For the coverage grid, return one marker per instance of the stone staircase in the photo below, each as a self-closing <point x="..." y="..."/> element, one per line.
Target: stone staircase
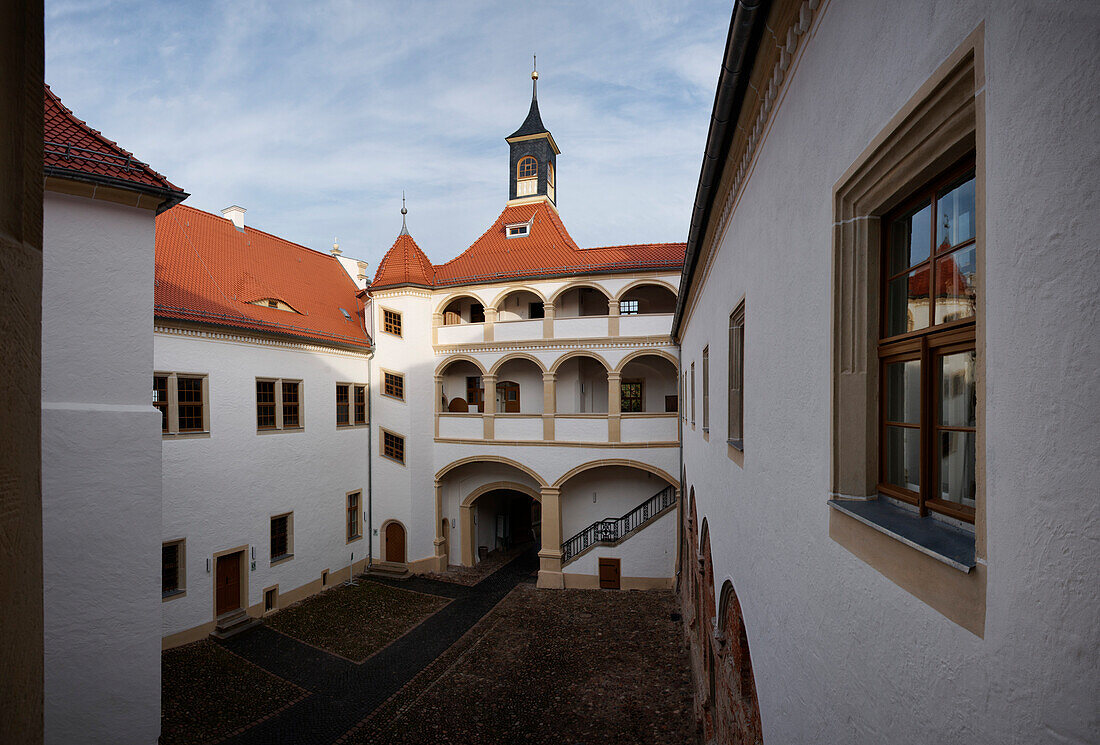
<point x="233" y="623"/>
<point x="388" y="569"/>
<point x="615" y="530"/>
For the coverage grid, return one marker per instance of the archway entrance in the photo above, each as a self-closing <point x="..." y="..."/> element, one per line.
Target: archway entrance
<point x="394" y="548"/>
<point x="503" y="519"/>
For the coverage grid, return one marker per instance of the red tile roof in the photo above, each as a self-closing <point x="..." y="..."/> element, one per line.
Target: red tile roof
<point x="207" y="271"/>
<point x="404" y="264"/>
<point x="546" y="251"/>
<point x="73" y="149"/>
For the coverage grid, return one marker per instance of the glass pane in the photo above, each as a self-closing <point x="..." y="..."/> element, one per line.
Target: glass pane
<point x="955" y="290"/>
<point x="903" y="457"/>
<point x="910" y="239"/>
<point x="957" y="389"/>
<point x="907" y="302"/>
<point x="956" y="215"/>
<point x="903" y="392"/>
<point x="957" y="467"/>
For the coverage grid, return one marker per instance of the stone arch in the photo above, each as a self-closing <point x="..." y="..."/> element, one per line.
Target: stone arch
<point x="491" y="459"/>
<point x="456" y="296"/>
<point x="641" y="283"/>
<point x="737" y="708"/>
<point x="648" y="353"/>
<point x="617" y="462"/>
<point x="382" y="538"/>
<point x="516" y="356"/>
<point x="495" y="305"/>
<point x="579" y="283"/>
<point x="530" y="491"/>
<point x="459" y="358"/>
<point x="579" y="353"/>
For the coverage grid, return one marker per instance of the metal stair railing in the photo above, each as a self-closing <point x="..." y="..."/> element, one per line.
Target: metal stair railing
<point x="616" y="528"/>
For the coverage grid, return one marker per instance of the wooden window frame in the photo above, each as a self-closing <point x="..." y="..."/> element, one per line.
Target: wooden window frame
<point x="359" y="404"/>
<point x="735" y="424"/>
<point x="295" y="405"/>
<point x="181" y="570"/>
<point x="927" y="345"/>
<point x="343" y="405"/>
<point x="289" y="553"/>
<point x="172" y="406"/>
<point x="396" y="391"/>
<point x="692" y="382"/>
<point x="623" y="383"/>
<point x="382" y="435"/>
<point x="266" y="410"/>
<point x="706" y="389"/>
<point x="523" y="172"/>
<point x="160" y="400"/>
<point x="393" y="322"/>
<point x="353" y="516"/>
<point x="626" y="309"/>
<point x="191" y="405"/>
<point x="280" y="405"/>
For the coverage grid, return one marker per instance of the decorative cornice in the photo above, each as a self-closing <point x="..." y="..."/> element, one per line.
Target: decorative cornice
<point x="625" y="342"/>
<point x="234" y="338"/>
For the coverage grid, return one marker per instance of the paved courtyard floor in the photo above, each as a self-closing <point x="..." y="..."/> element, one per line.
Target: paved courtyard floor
<point x="496" y="662"/>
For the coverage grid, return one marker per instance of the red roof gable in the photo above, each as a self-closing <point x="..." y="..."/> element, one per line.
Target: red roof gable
<point x="546" y="251"/>
<point x="209" y="272"/>
<point x="72" y="148"/>
<point x="404" y="264"/>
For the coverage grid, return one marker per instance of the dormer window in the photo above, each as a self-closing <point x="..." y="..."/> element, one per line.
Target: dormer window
<point x="517" y="230"/>
<point x="271" y="302"/>
<point x="527" y="176"/>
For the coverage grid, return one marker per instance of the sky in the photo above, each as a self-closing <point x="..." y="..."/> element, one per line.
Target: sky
<point x="315" y="116"/>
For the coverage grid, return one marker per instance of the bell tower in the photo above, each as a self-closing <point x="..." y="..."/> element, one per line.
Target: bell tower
<point x="532" y="161"/>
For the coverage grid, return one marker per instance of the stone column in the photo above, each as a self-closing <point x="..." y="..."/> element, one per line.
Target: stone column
<point x="437" y="321"/>
<point x="489" y="396"/>
<point x="550" y="574"/>
<point x="438" y="401"/>
<point x="440" y="564"/>
<point x="549" y="404"/>
<point x="614" y="406"/>
<point x="612" y="317"/>
<point x="490" y="319"/>
<point x="548" y="321"/>
<point x="466" y="523"/>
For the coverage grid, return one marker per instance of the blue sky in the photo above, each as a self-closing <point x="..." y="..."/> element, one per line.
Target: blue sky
<point x="315" y="115"/>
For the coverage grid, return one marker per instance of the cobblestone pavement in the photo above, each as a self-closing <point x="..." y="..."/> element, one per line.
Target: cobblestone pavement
<point x="343" y="692"/>
<point x="541" y="667"/>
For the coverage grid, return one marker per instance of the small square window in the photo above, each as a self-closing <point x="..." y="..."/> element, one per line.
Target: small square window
<point x="393" y="446"/>
<point x="271" y="597"/>
<point x="628" y="307"/>
<point x="394" y="385"/>
<point x="391" y="322"/>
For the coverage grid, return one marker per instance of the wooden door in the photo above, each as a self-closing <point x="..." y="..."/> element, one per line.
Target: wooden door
<point x="473" y="392"/>
<point x="228" y="578"/>
<point x="609" y="574"/>
<point x="507" y="397"/>
<point x="395" y="543"/>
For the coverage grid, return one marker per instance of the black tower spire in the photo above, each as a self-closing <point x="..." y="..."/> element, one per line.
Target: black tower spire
<point x="533" y="153"/>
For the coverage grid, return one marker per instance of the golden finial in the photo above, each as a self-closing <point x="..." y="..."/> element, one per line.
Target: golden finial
<point x="534" y="68"/>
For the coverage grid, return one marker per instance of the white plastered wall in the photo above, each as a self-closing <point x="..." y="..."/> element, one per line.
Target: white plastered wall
<point x="840" y="653"/>
<point x="221" y="491"/>
<point x="101" y="492"/>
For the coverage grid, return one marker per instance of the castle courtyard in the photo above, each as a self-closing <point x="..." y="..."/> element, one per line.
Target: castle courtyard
<point x="498" y="661"/>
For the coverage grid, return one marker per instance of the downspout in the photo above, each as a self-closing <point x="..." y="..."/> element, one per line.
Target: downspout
<point x="369" y="304"/>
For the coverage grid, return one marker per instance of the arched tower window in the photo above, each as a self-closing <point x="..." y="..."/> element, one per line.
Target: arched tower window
<point x="528" y="168"/>
<point x="550" y="181"/>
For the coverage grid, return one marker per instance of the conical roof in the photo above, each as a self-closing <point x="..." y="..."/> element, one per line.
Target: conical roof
<point x="404" y="264"/>
<point x="532" y="125"/>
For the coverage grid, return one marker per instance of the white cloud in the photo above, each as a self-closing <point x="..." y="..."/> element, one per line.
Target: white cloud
<point x="315" y="116"/>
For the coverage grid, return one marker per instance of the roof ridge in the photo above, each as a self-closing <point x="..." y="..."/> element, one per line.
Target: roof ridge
<point x="105" y="139"/>
<point x="637" y="245"/>
<point x="249" y="229"/>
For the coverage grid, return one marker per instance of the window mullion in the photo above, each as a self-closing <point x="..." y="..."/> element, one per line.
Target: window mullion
<point x="926" y="426"/>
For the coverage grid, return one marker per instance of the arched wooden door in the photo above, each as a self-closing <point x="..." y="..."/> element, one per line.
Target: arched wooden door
<point x="508" y="397"/>
<point x="395" y="543"/>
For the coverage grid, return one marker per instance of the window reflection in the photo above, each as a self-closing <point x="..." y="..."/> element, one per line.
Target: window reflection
<point x="903" y="457"/>
<point x="957" y="483"/>
<point x="955" y="292"/>
<point x="903" y="392"/>
<point x="955" y="210"/>
<point x="912" y="239"/>
<point x="958" y="390"/>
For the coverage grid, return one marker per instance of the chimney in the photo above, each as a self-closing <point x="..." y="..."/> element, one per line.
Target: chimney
<point x="362" y="276"/>
<point x="335" y="248"/>
<point x="235" y="215"/>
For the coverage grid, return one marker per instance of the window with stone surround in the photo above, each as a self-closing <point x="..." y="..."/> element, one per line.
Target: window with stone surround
<point x="393" y="446"/>
<point x="172" y="569"/>
<point x="391" y="322"/>
<point x="282" y="537"/>
<point x="393" y="385"/>
<point x="183" y="402"/>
